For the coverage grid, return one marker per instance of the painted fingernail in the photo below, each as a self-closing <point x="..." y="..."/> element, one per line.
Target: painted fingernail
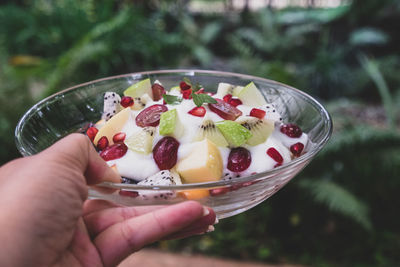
<point x="205" y="211"/>
<point x="210" y="229"/>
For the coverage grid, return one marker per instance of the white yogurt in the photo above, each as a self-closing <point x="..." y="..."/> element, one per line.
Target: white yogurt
<point x="139" y="166"/>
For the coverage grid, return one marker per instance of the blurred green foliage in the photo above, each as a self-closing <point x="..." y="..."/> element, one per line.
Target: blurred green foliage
<point x="342" y="210"/>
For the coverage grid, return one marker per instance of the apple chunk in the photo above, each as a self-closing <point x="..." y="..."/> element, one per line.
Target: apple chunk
<point x="203" y="164"/>
<point x="113" y="126"/>
<point x="140" y="88"/>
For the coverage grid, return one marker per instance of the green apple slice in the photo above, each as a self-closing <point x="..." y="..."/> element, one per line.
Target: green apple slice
<point x="251" y="96"/>
<point x="234" y="133"/>
<point x="140" y="88"/>
<point x="170" y="124"/>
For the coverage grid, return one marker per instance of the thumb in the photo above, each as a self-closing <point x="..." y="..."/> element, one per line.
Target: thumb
<point x="76" y="151"/>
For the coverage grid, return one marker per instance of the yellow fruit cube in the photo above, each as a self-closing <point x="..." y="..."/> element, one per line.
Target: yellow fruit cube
<point x="203" y="164"/>
<point x="194" y="194"/>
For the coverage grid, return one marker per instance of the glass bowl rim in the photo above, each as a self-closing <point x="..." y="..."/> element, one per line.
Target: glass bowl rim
<point x="259" y="176"/>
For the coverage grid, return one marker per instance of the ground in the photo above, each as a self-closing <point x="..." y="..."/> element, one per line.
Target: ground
<point x="156" y="258"/>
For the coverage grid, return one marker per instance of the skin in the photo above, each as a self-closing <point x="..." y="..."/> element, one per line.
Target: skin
<point x="48" y="221"/>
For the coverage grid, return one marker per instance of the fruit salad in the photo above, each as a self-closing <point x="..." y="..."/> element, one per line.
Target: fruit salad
<point x="152" y="135"/>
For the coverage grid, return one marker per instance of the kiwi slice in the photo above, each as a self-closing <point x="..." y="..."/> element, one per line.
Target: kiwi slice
<point x="140" y="102"/>
<point x="208" y="130"/>
<point x="142" y="140"/>
<point x="226" y="88"/>
<point x="261" y="129"/>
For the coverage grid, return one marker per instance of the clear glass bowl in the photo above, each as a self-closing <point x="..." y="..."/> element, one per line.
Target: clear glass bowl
<point x="72" y="110"/>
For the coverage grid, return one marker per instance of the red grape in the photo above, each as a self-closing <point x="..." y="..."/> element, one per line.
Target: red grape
<point x="239" y="159"/>
<point x="158" y="91"/>
<point x="150" y="116"/>
<point x="165" y="153"/>
<point x="225" y="110"/>
<point x="115" y="151"/>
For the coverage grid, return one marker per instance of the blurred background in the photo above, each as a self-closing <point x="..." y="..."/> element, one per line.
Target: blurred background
<point x="342" y="210"/>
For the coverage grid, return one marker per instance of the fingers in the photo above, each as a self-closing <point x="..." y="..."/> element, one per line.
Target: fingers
<point x="121" y="239"/>
<point x="100" y="220"/>
<point x="93" y="205"/>
<point x="203" y="225"/>
<point x="76" y="151"/>
<point x="101" y="214"/>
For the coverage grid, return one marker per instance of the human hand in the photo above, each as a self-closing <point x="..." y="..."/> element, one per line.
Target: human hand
<point x="47" y="221"/>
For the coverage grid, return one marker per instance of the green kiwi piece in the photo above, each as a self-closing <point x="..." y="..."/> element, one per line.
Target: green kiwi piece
<point x="260" y="129"/>
<point x="142" y="140"/>
<point x="208" y="130"/>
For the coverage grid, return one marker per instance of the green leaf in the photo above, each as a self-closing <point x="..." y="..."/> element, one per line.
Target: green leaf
<point x="195" y="87"/>
<point x="338" y="199"/>
<point x="200" y="99"/>
<point x="172" y="99"/>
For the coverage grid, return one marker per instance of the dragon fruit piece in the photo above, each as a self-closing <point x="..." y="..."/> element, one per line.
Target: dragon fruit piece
<point x="111" y="105"/>
<point x="271" y="113"/>
<point x="162" y="178"/>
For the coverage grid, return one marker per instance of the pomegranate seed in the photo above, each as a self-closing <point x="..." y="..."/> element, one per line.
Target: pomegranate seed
<point x="127" y="101"/>
<point x="197" y="111"/>
<point x="184" y="86"/>
<point x="225" y="110"/>
<point x="158" y="91"/>
<point x="119" y="137"/>
<point x="239" y="159"/>
<point x="115" y="151"/>
<point x="235" y="102"/>
<point x="102" y="143"/>
<point x="227" y="97"/>
<point x="201" y="91"/>
<point x="165" y="153"/>
<point x="128" y="193"/>
<point x="219" y="191"/>
<point x="150" y="116"/>
<point x="296" y="149"/>
<point x="187" y="94"/>
<point x="275" y="155"/>
<point x="291" y="130"/>
<point x="258" y="113"/>
<point x="91" y="132"/>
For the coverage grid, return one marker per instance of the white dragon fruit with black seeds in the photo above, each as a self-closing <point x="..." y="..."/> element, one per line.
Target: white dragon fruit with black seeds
<point x="228" y="176"/>
<point x="271" y="112"/>
<point x="111" y="105"/>
<point x="162" y="178"/>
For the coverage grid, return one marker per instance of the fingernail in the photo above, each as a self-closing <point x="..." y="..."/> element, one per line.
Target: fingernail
<point x="216" y="220"/>
<point x="210" y="229"/>
<point x="205" y="211"/>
